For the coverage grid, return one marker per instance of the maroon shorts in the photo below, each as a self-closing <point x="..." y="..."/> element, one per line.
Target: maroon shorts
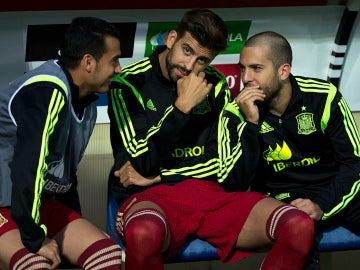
<point x="204" y="209"/>
<point x="53" y="214"/>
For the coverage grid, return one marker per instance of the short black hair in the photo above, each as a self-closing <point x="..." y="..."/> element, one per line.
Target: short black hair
<point x="85" y="35"/>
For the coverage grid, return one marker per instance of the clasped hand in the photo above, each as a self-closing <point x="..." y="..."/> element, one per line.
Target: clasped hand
<point x="246" y="101"/>
<point x="129" y="176"/>
<point x="192" y="89"/>
<point x="309" y="207"/>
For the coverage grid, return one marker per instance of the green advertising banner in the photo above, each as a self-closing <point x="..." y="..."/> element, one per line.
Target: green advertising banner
<point x="157" y="34"/>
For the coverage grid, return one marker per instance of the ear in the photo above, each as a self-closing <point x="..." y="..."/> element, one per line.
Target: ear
<point x="87" y="62"/>
<point x="170" y="39"/>
<point x="284" y="71"/>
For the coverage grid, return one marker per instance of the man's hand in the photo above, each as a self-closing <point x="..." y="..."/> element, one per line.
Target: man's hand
<point x="192" y="89"/>
<point x="129" y="177"/>
<point x="50" y="250"/>
<point x="246" y="102"/>
<point x="309" y="207"/>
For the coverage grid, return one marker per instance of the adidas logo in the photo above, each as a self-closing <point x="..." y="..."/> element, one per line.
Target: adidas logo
<point x="265" y="128"/>
<point x="150" y="105"/>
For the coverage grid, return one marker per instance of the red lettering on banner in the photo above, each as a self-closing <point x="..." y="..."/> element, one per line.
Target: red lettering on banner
<point x="232" y="74"/>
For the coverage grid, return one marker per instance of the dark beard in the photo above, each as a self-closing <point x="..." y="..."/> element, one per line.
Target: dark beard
<point x="169" y="67"/>
<point x="272" y="97"/>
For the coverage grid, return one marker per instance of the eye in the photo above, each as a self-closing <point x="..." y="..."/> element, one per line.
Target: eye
<point x="202" y="61"/>
<point x="257" y="68"/>
<point x="187" y="50"/>
<point x="115" y="62"/>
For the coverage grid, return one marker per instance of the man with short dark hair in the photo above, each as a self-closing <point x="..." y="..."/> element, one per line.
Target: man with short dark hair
<point x="46" y="118"/>
<point x="170" y="121"/>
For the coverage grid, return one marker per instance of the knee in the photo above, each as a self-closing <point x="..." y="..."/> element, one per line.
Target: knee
<point x="299" y="232"/>
<point x="145" y="226"/>
<point x="140" y="231"/>
<point x="301" y="225"/>
<point x="291" y="225"/>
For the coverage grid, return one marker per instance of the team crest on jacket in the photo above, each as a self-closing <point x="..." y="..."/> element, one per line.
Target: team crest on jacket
<point x="305" y="123"/>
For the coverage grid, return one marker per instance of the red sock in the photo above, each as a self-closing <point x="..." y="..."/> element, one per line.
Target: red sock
<point x="293" y="232"/>
<point x="24" y="259"/>
<point x="145" y="233"/>
<point x="103" y="254"/>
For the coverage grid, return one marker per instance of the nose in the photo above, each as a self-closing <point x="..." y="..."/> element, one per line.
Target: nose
<point x="190" y="64"/>
<point x="118" y="68"/>
<point x="246" y="75"/>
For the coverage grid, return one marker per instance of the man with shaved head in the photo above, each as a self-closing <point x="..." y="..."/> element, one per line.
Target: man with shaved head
<point x="310" y="146"/>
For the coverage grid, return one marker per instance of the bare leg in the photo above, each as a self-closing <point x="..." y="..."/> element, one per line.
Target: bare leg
<point x="289" y="229"/>
<point x="14" y="255"/>
<point x="10" y="243"/>
<point x="253" y="234"/>
<point x="76" y="237"/>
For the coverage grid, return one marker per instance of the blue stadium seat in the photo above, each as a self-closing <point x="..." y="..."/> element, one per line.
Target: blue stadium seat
<point x="337" y="239"/>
